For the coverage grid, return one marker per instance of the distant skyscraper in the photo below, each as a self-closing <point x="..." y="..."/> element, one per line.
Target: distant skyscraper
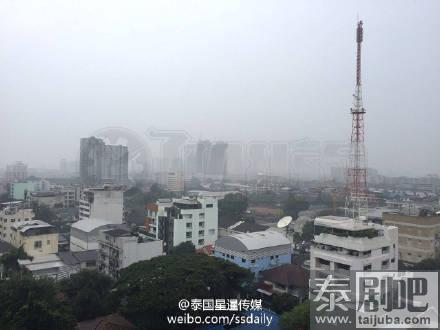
<point x="202" y="157"/>
<point x="100" y="162"/>
<point x="217" y="160"/>
<point x="210" y="160"/>
<point x="16" y="172"/>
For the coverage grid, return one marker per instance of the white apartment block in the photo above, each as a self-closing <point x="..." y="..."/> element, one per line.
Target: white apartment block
<point x="343" y="244"/>
<point x="118" y="249"/>
<point x="181" y="220"/>
<point x="12" y="214"/>
<point x="102" y="203"/>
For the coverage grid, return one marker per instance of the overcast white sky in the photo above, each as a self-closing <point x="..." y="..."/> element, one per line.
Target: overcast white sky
<point x="232" y="70"/>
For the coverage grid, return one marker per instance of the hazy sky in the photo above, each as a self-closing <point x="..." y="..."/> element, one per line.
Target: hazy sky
<point x="233" y="70"/>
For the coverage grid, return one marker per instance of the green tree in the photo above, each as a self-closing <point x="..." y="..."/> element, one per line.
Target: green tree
<point x="183" y="248"/>
<point x="10" y="260"/>
<point x="44" y="212"/>
<point x="427" y="264"/>
<point x="293" y="205"/>
<point x="283" y="303"/>
<point x="152" y="289"/>
<point x="307" y="231"/>
<point x="5" y="197"/>
<point x="27" y="303"/>
<point x="297" y="318"/>
<point x="233" y="205"/>
<point x="87" y="293"/>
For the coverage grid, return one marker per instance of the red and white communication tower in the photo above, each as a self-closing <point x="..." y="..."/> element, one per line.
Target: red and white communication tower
<point x="357" y="191"/>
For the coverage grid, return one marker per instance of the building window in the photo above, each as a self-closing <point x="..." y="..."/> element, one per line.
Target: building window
<point x="91" y="263"/>
<point x="252" y="261"/>
<point x="201" y="224"/>
<point x="271" y="257"/>
<point x="232" y="257"/>
<point x="393" y="260"/>
<point x="188" y="225"/>
<point x="367" y="267"/>
<point x="202" y="215"/>
<point x="209" y="206"/>
<point x="385" y="264"/>
<point x="243" y="260"/>
<point x="12" y="220"/>
<point x="38" y="245"/>
<point x="385" y="249"/>
<point x="201" y="241"/>
<point x="201" y="233"/>
<point x="188" y="234"/>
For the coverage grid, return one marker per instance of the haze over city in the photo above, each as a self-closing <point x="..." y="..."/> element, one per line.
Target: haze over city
<point x="248" y="70"/>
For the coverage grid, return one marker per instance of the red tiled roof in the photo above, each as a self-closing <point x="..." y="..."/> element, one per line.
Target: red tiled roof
<point x="288" y="275"/>
<point x="208" y="249"/>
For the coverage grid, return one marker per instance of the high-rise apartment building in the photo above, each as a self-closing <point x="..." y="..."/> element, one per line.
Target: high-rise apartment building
<point x="100" y="162"/>
<point x="16" y="172"/>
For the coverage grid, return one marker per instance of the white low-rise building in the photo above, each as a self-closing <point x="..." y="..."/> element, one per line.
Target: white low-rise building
<point x="84" y="233"/>
<point x="118" y="249"/>
<point x="61" y="265"/>
<point x="343" y="244"/>
<point x="102" y="203"/>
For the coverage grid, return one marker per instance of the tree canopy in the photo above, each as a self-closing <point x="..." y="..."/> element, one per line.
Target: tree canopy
<point x="297" y="318"/>
<point x="233" y="205"/>
<point x="294" y="204"/>
<point x="26" y="303"/>
<point x="284" y="302"/>
<point x="87" y="293"/>
<point x="183" y="248"/>
<point x="152" y="289"/>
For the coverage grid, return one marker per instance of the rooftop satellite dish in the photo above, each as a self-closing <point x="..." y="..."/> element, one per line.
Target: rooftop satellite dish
<point x="284" y="222"/>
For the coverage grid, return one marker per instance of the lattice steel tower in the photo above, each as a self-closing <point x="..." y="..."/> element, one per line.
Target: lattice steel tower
<point x="357" y="191"/>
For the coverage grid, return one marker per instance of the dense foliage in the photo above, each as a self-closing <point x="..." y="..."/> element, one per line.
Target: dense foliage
<point x="183" y="248"/>
<point x="88" y="294"/>
<point x="146" y="293"/>
<point x="10" y="260"/>
<point x="233" y="205"/>
<point x="135" y="200"/>
<point x="293" y="205"/>
<point x="297" y="318"/>
<point x="26" y="303"/>
<point x="152" y="289"/>
<point x="283" y="303"/>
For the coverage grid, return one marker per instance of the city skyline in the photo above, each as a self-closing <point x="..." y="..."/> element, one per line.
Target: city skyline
<point x="279" y="74"/>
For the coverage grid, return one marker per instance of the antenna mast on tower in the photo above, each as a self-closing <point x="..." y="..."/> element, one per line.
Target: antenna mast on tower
<point x="357" y="191"/>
